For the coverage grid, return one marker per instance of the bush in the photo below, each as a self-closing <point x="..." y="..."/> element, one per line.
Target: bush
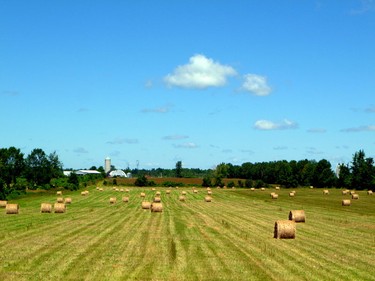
<point x="249" y="183"/>
<point x="231" y="184"/>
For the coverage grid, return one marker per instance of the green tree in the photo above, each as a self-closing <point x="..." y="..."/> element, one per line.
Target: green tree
<point x="73" y="181"/>
<point x="362" y="171"/>
<point x="179" y="169"/>
<point x="323" y="174"/>
<point x="12" y="164"/>
<point x="141" y="181"/>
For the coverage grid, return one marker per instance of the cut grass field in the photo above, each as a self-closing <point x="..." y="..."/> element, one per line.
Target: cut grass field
<point x="230" y="238"/>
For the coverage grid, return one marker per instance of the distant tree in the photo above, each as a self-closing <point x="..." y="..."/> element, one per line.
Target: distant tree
<point x="3" y="192"/>
<point x="179" y="169"/>
<point x="73" y="181"/>
<point x="12" y="164"/>
<point x="323" y="174"/>
<point x="363" y="171"/>
<point x="206" y="181"/>
<point x="344" y="177"/>
<point x="141" y="181"/>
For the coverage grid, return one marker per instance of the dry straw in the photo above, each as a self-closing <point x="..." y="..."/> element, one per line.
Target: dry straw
<point x="59" y="193"/>
<point x="262" y="189"/>
<point x="46" y="208"/>
<point x="344" y="192"/>
<point x="157" y="199"/>
<point x="325" y="191"/>
<point x="127" y="190"/>
<point x="3" y="203"/>
<point x="208" y="198"/>
<point x="369" y="192"/>
<point x="157" y="207"/>
<point x="112" y="200"/>
<point x="277" y="187"/>
<point x="355" y="196"/>
<point x="12" y="209"/>
<point x="195" y="191"/>
<point x="285" y="229"/>
<point x="183" y="192"/>
<point x="143" y="194"/>
<point x="345" y="202"/>
<point x="68" y="200"/>
<point x="252" y="189"/>
<point x="181" y="198"/>
<point x="59" y="208"/>
<point x="158" y="193"/>
<point x="297" y="215"/>
<point x="209" y="192"/>
<point x="125" y="199"/>
<point x="168" y="192"/>
<point x="146" y="205"/>
<point x="274" y="196"/>
<point x="291" y="194"/>
<point x="60" y="200"/>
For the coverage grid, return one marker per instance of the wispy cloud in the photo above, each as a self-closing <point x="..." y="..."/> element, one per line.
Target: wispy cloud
<point x="249" y="151"/>
<point x="256" y="84"/>
<point x="313" y="150"/>
<point x="188" y="145"/>
<point x="200" y="73"/>
<point x="161" y="109"/>
<point x="227" y="151"/>
<point x="370" y="109"/>
<point x="82" y="109"/>
<point x="267" y="125"/>
<point x="317" y="130"/>
<point x="280" y="147"/>
<point x="370" y="128"/>
<point x="123" y="141"/>
<point x="10" y="93"/>
<point x="80" y="150"/>
<point x="364" y="7"/>
<point x="175" y="137"/>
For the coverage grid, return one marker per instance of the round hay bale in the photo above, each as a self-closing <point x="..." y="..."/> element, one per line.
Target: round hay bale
<point x="101" y="189"/>
<point x="285" y="229"/>
<point x="181" y="198"/>
<point x="195" y="191"/>
<point x="12" y="209"/>
<point x="143" y="194"/>
<point x="208" y="189"/>
<point x="183" y="192"/>
<point x="83" y="193"/>
<point x="209" y="192"/>
<point x="97" y="188"/>
<point x="262" y="189"/>
<point x="112" y="200"/>
<point x="153" y="189"/>
<point x="157" y="207"/>
<point x="127" y="190"/>
<point x="46" y="208"/>
<point x="277" y="187"/>
<point x="157" y="199"/>
<point x="121" y="190"/>
<point x="274" y="196"/>
<point x="168" y="192"/>
<point x="355" y="196"/>
<point x="59" y="193"/>
<point x="68" y="200"/>
<point x="344" y="192"/>
<point x="297" y="215"/>
<point x="146" y="205"/>
<point x="325" y="191"/>
<point x="345" y="202"/>
<point x="158" y="193"/>
<point x="369" y="192"/>
<point x="125" y="199"/>
<point x="207" y="198"/>
<point x="311" y="187"/>
<point x="60" y="200"/>
<point x="3" y="203"/>
<point x="352" y="192"/>
<point x="252" y="189"/>
<point x="59" y="208"/>
<point x="291" y="194"/>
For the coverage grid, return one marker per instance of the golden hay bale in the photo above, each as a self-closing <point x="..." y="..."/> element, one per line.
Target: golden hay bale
<point x="146" y="205"/>
<point x="97" y="188"/>
<point x="355" y="196"/>
<point x="209" y="192"/>
<point x="344" y="192"/>
<point x="181" y="198"/>
<point x="3" y="203"/>
<point x="274" y="196"/>
<point x="277" y="187"/>
<point x="208" y="189"/>
<point x="158" y="193"/>
<point x="112" y="200"/>
<point x="60" y="200"/>
<point x="183" y="192"/>
<point x="46" y="208"/>
<point x="68" y="200"/>
<point x="369" y="192"/>
<point x="311" y="187"/>
<point x="285" y="229"/>
<point x="59" y="193"/>
<point x="352" y="192"/>
<point x="157" y="199"/>
<point x="121" y="190"/>
<point x="291" y="194"/>
<point x="83" y="193"/>
<point x="12" y="209"/>
<point x="59" y="208"/>
<point x="195" y="191"/>
<point x="325" y="191"/>
<point x="127" y="190"/>
<point x="168" y="192"/>
<point x="114" y="187"/>
<point x="262" y="189"/>
<point x="157" y="207"/>
<point x="297" y="215"/>
<point x="345" y="202"/>
<point x="125" y="199"/>
<point x="153" y="189"/>
<point x="143" y="194"/>
<point x="208" y="198"/>
<point x="252" y="189"/>
<point x="101" y="189"/>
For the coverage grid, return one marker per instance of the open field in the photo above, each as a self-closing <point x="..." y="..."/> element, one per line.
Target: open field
<point x="230" y="238"/>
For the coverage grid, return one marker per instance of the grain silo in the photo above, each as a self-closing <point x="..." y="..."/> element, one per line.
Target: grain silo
<point x="107" y="165"/>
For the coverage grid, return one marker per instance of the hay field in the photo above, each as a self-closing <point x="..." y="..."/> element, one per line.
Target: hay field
<point x="230" y="238"/>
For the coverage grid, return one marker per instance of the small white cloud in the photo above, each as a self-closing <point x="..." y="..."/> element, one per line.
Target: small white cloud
<point x="370" y="128"/>
<point x="200" y="73"/>
<point x="281" y="147"/>
<point x="269" y="125"/>
<point x="186" y="145"/>
<point x="317" y="130"/>
<point x="175" y="137"/>
<point x="149" y="84"/>
<point x="256" y="84"/>
<point x="80" y="150"/>
<point x="370" y="109"/>
<point x="123" y="141"/>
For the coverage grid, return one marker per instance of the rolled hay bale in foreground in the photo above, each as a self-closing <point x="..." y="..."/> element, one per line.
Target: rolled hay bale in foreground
<point x="284" y="229"/>
<point x="46" y="208"/>
<point x="157" y="207"/>
<point x="143" y="194"/>
<point x="59" y="208"/>
<point x="297" y="215"/>
<point x="112" y="200"/>
<point x="12" y="209"/>
<point x="355" y="196"/>
<point x="345" y="202"/>
<point x="125" y="199"/>
<point x="158" y="193"/>
<point x="60" y="200"/>
<point x="209" y="192"/>
<point x="183" y="192"/>
<point x="3" y="203"/>
<point x="207" y="198"/>
<point x="274" y="196"/>
<point x="157" y="199"/>
<point x="68" y="200"/>
<point x="181" y="198"/>
<point x="146" y="205"/>
<point x="369" y="192"/>
<point x="325" y="191"/>
<point x="59" y="193"/>
<point x="291" y="194"/>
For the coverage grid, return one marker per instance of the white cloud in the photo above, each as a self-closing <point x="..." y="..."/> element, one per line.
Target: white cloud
<point x="316" y="130"/>
<point x="186" y="145"/>
<point x="122" y="141"/>
<point x="269" y="125"/>
<point x="80" y="150"/>
<point x="201" y="72"/>
<point x="175" y="137"/>
<point x="370" y="128"/>
<point x="256" y="84"/>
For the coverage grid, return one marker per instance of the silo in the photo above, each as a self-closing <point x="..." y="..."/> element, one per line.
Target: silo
<point x="107" y="165"/>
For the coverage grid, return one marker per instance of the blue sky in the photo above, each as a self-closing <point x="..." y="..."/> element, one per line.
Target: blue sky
<point x="202" y="82"/>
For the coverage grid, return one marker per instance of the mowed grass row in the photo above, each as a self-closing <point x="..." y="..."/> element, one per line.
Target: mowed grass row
<point x="230" y="238"/>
